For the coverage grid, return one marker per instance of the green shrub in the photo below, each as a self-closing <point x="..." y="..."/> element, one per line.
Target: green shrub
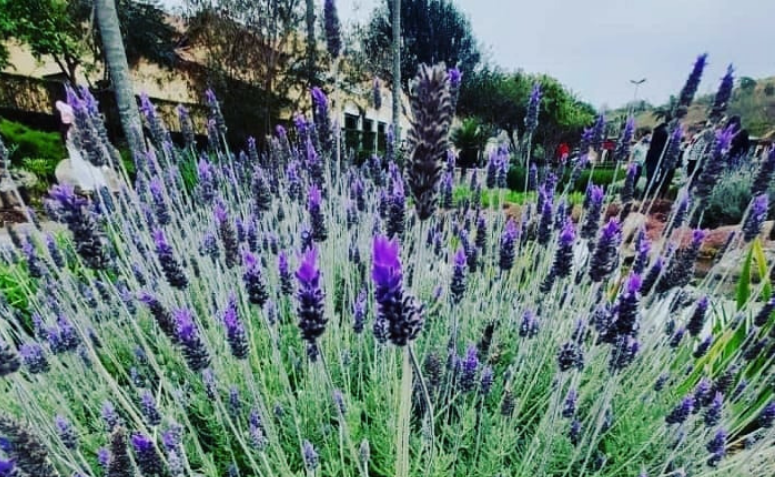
<point x="730" y="198"/>
<point x="31" y="143"/>
<point x="602" y="177"/>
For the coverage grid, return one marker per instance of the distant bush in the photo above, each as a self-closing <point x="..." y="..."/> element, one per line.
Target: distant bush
<point x="730" y="197"/>
<point x="31" y="143"/>
<point x="601" y="177"/>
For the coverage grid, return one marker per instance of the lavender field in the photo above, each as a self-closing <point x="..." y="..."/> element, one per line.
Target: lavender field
<point x="284" y="312"/>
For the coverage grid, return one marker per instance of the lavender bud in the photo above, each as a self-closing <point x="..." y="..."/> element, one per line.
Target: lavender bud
<point x="171" y="267"/>
<point x="149" y="409"/>
<point x="508" y="240"/>
<point x="470" y="367"/>
<point x="756" y="216"/>
<point x="254" y="281"/>
<point x="187" y="333"/>
<point x="310" y="308"/>
<point x="458" y="285"/>
<point x="697" y="320"/>
<point x="680" y="413"/>
<point x="604" y="257"/>
<point x="311" y="458"/>
<point x="235" y="330"/>
<point x="146" y="456"/>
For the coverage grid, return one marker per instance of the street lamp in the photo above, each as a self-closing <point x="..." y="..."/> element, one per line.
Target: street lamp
<point x="637" y="84"/>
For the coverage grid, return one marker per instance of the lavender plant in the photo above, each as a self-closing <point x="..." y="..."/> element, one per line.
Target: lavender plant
<point x="305" y="342"/>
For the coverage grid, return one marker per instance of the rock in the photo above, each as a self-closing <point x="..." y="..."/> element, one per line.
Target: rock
<point x="66" y="176"/>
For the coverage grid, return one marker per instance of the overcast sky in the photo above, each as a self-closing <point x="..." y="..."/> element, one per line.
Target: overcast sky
<point x="597" y="46"/>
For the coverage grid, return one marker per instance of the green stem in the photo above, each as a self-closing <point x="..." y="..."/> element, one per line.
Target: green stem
<point x="404" y="408"/>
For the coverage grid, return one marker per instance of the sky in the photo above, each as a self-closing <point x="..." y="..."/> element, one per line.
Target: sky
<point x="595" y="47"/>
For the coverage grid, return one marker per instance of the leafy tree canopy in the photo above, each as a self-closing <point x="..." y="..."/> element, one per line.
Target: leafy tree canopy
<point x="432" y="31"/>
<point x="65" y="31"/>
<point x="499" y="99"/>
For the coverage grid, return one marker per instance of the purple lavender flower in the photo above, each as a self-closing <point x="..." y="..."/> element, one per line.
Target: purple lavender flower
<point x="569" y="406"/>
<point x="765" y="174"/>
<point x="146" y="456"/>
<point x="528" y="327"/>
<point x="532" y="177"/>
<point x="235" y="330"/>
<point x="703" y="347"/>
<point x="469" y="369"/>
<point x="680" y="270"/>
<point x="109" y="416"/>
<point x="228" y="235"/>
<point x="481" y="233"/>
<point x="458" y="285"/>
<point x="186" y="126"/>
<point x="163" y="317"/>
<point x="593" y="207"/>
<point x="359" y="312"/>
<point x="25" y="450"/>
<point x="563" y="257"/>
<point x="161" y="209"/>
<point x="254" y="281"/>
<point x="574" y="434"/>
<point x="396" y="211"/>
<point x="149" y="408"/>
<point x="194" y="349"/>
<point x="717" y="448"/>
<point x="310" y="455"/>
<point x="713" y="412"/>
<point x="723" y="95"/>
<point x="766" y="417"/>
<point x="697" y="320"/>
<point x="756" y="216"/>
<point x="321" y="117"/>
<point x="598" y="133"/>
<point x="508" y="240"/>
<point x="310" y="308"/>
<point x="317" y="219"/>
<point x="333" y="29"/>
<point x="432" y="110"/>
<point x="397" y="313"/>
<point x="66" y="432"/>
<point x="486" y="380"/>
<point x="681" y="412"/>
<point x="88" y="238"/>
<point x="570" y="356"/>
<point x="455" y="80"/>
<point x="546" y="221"/>
<point x="9" y="360"/>
<point x="34" y="358"/>
<point x="713" y="165"/>
<point x="172" y="269"/>
<point x="692" y="83"/>
<point x="262" y="195"/>
<point x="533" y="107"/>
<point x="642" y="250"/>
<point x="604" y="257"/>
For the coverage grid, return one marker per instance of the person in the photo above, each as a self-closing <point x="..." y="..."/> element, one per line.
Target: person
<point x="741" y="143"/>
<point x="653" y="157"/>
<point x="76" y="170"/>
<point x="639" y="154"/>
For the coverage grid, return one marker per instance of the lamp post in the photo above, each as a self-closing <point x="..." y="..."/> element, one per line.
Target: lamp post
<point x="637" y="84"/>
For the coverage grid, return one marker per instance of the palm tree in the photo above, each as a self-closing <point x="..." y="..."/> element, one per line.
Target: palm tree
<point x="396" y="73"/>
<point x="118" y="68"/>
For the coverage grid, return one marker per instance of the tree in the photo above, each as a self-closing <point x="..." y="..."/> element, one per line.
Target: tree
<point x="118" y="67"/>
<point x="432" y="31"/>
<point x="62" y="30"/>
<point x="311" y="42"/>
<point x="396" y="49"/>
<point x="500" y="100"/>
<point x="747" y="85"/>
<point x="254" y="59"/>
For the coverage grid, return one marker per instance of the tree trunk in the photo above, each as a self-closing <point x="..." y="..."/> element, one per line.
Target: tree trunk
<point x="396" y="74"/>
<point x="311" y="46"/>
<point x="115" y="58"/>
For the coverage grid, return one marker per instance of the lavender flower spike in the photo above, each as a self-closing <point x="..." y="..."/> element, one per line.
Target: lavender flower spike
<point x="604" y="257"/>
<point x="458" y="286"/>
<point x="432" y="112"/>
<point x="171" y="267"/>
<point x="333" y="28"/>
<point x="401" y="315"/>
<point x="312" y="319"/>
<point x="317" y="219"/>
<point x="533" y="105"/>
<point x="508" y="240"/>
<point x="235" y="330"/>
<point x="194" y="349"/>
<point x="756" y="216"/>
